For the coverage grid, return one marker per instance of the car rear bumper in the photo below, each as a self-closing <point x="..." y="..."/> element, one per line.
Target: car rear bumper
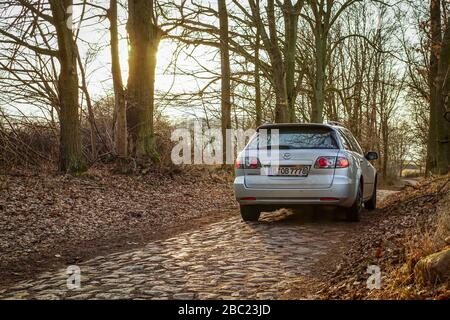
<point x="341" y="193"/>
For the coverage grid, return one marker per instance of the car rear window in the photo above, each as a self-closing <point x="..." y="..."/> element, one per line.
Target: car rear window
<point x="301" y="138"/>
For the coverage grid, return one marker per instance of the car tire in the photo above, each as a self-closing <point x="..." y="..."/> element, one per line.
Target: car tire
<point x="250" y="213"/>
<point x="354" y="212"/>
<point x="372" y="203"/>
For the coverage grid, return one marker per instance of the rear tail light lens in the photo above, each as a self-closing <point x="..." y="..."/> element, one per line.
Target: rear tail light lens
<point x="325" y="162"/>
<point x="248" y="163"/>
<point x="238" y="164"/>
<point x="342" y="162"/>
<point x="331" y="162"/>
<point x="253" y="163"/>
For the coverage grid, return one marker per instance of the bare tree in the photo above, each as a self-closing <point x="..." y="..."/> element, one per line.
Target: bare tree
<point x="438" y="138"/>
<point x="120" y="115"/>
<point x="226" y="79"/>
<point x="325" y="14"/>
<point x="144" y="37"/>
<point x="435" y="38"/>
<point x="442" y="87"/>
<point x="257" y="76"/>
<point x="271" y="43"/>
<point x="70" y="142"/>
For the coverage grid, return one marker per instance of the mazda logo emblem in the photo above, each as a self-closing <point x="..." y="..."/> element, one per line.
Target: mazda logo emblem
<point x="286" y="156"/>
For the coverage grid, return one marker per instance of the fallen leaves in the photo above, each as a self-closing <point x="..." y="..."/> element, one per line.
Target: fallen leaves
<point x="383" y="239"/>
<point x="46" y="212"/>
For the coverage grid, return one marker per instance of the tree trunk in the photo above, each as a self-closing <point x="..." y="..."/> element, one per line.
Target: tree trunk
<point x="436" y="38"/>
<point x="91" y="117"/>
<point x="385" y="137"/>
<point x="372" y="114"/>
<point x="226" y="80"/>
<point x="70" y="139"/>
<point x="120" y="125"/>
<point x="279" y="78"/>
<point x="258" y="104"/>
<point x="270" y="42"/>
<point x="442" y="93"/>
<point x="144" y="37"/>
<point x="278" y="67"/>
<point x="291" y="27"/>
<point x="319" y="81"/>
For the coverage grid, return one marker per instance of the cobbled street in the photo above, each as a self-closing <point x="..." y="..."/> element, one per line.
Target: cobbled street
<point x="225" y="260"/>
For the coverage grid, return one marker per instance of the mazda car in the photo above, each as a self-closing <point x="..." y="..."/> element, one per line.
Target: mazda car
<point x="292" y="165"/>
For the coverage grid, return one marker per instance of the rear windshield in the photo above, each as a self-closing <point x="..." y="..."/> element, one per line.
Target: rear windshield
<point x="301" y="138"/>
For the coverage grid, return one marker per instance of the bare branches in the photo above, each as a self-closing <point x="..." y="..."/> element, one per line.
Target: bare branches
<point x="37" y="9"/>
<point x="17" y="40"/>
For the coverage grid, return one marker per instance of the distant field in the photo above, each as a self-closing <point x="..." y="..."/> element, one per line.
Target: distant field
<point x="411" y="173"/>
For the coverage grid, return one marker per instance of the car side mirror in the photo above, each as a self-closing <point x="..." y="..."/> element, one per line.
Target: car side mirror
<point x="371" y="155"/>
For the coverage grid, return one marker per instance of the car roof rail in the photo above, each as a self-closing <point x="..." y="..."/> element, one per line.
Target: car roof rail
<point x="335" y="123"/>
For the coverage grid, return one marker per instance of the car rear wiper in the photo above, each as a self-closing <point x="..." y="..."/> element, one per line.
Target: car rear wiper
<point x="279" y="147"/>
<point x="282" y="147"/>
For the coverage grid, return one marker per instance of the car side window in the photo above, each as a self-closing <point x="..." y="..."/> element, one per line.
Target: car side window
<point x="345" y="142"/>
<point x="358" y="147"/>
<point x="354" y="143"/>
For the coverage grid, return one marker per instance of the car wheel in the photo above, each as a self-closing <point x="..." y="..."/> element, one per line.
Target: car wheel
<point x="372" y="203"/>
<point x="354" y="212"/>
<point x="250" y="213"/>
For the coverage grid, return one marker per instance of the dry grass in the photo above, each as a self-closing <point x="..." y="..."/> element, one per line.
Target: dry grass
<point x="35" y="144"/>
<point x="424" y="241"/>
<point x="409" y="225"/>
<point x="443" y="221"/>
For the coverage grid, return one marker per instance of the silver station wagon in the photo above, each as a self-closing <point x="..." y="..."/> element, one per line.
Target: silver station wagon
<point x="291" y="165"/>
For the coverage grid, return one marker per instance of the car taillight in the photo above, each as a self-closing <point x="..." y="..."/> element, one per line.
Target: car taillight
<point x="253" y="163"/>
<point x="325" y="162"/>
<point x="331" y="162"/>
<point x="342" y="162"/>
<point x="238" y="164"/>
<point x="248" y="163"/>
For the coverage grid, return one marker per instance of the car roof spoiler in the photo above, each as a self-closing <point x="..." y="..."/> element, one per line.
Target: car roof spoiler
<point x="293" y="126"/>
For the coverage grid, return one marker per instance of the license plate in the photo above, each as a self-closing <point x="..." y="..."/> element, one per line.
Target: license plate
<point x="296" y="171"/>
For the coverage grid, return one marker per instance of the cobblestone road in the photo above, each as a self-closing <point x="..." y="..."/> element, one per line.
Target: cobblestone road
<point x="225" y="260"/>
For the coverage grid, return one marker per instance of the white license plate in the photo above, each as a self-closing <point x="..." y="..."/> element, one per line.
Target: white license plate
<point x="296" y="171"/>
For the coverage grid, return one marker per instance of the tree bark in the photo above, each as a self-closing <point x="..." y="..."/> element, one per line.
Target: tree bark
<point x="319" y="81"/>
<point x="436" y="38"/>
<point x="144" y="37"/>
<point x="442" y="93"/>
<point x="225" y="80"/>
<point x="291" y="15"/>
<point x="120" y="125"/>
<point x="278" y="67"/>
<point x="385" y="137"/>
<point x="258" y="104"/>
<point x="91" y="117"/>
<point x="70" y="140"/>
